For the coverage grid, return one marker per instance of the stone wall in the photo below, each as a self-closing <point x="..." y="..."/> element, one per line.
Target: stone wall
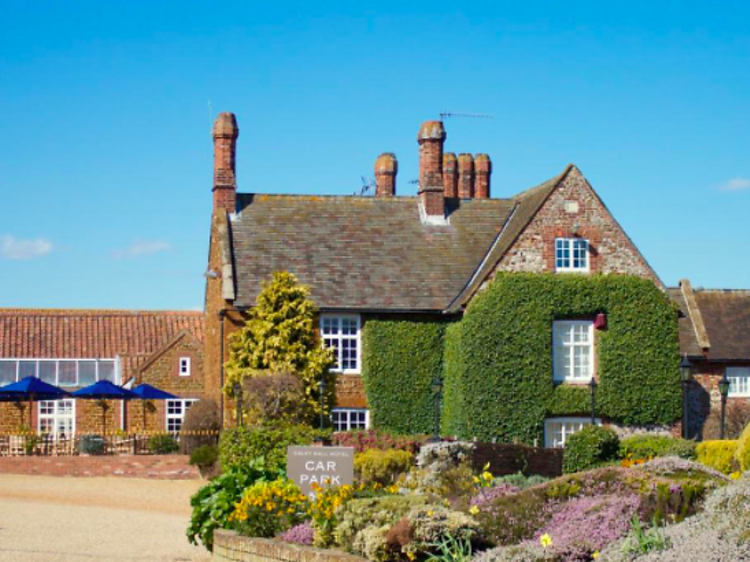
<point x="704" y="396"/>
<point x="230" y="547"/>
<point x="574" y="206"/>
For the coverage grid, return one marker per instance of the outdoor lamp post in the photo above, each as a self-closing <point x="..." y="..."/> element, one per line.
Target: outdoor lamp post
<point x="724" y="391"/>
<point x="686" y="374"/>
<point x="592" y="386"/>
<point x="437" y="389"/>
<point x="322" y="386"/>
<point x="238" y="402"/>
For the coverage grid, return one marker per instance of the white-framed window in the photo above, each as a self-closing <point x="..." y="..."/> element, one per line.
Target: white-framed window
<point x="57" y="418"/>
<point x="176" y="410"/>
<point x="342" y="334"/>
<point x="739" y="381"/>
<point x="184" y="366"/>
<point x="573" y="350"/>
<point x="557" y="430"/>
<point x="572" y="254"/>
<point x="347" y="419"/>
<point x="61" y="372"/>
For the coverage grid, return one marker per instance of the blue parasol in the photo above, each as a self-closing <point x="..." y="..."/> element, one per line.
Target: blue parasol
<point x="104" y="390"/>
<point x="32" y="389"/>
<point x="148" y="392"/>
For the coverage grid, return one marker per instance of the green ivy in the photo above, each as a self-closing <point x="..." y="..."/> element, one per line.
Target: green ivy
<point x="401" y="358"/>
<point x="499" y="381"/>
<point x="452" y="373"/>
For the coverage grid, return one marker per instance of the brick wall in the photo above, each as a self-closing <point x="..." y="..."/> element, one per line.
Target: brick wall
<point x="162" y="467"/>
<point x="511" y="459"/>
<point x="575" y="203"/>
<point x="704" y="396"/>
<point x="230" y="547"/>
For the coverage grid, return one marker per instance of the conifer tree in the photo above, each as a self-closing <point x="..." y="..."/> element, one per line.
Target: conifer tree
<point x="279" y="338"/>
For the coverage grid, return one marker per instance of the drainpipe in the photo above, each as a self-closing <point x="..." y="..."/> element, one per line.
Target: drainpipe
<point x="222" y="315"/>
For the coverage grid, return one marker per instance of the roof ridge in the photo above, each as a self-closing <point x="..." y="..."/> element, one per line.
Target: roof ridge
<point x="723" y="291"/>
<point x="96" y="312"/>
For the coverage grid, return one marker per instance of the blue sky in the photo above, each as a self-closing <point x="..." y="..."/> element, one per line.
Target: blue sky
<point x="106" y="157"/>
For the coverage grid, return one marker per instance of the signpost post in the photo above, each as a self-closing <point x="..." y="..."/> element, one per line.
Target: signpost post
<point x="326" y="466"/>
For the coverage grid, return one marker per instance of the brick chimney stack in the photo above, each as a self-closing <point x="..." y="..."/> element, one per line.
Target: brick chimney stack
<point x="465" y="176"/>
<point x="386" y="168"/>
<point x="225" y="133"/>
<point x="450" y="175"/>
<point x="482" y="173"/>
<point x="431" y="138"/>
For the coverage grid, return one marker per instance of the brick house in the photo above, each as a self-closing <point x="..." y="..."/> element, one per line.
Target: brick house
<point x="715" y="335"/>
<point x="392" y="256"/>
<point x="75" y="348"/>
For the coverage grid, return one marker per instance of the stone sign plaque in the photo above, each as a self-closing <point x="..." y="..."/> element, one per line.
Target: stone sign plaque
<point x="332" y="466"/>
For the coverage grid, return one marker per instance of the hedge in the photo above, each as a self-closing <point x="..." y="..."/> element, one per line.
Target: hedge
<point x="400" y="360"/>
<point x="652" y="446"/>
<point x="503" y="387"/>
<point x="589" y="448"/>
<point x="452" y="404"/>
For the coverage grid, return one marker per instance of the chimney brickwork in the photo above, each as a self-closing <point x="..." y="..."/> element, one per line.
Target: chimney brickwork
<point x="431" y="138"/>
<point x="482" y="173"/>
<point x="225" y="133"/>
<point x="450" y="175"/>
<point x="465" y="176"/>
<point x="386" y="168"/>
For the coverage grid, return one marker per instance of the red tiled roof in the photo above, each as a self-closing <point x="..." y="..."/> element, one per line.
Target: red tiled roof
<point x="91" y="333"/>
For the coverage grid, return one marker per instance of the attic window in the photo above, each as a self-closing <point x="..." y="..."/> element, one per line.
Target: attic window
<point x="184" y="366"/>
<point x="571" y="254"/>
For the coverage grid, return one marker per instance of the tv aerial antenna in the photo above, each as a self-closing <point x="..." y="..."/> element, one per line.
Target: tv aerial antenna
<point x="452" y="114"/>
<point x="368" y="186"/>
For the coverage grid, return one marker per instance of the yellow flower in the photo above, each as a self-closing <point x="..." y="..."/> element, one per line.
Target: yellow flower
<point x="487" y="475"/>
<point x="410" y="555"/>
<point x="735" y="475"/>
<point x="474" y="510"/>
<point x="476" y="480"/>
<point x="595" y="555"/>
<point x="430" y="513"/>
<point x="545" y="540"/>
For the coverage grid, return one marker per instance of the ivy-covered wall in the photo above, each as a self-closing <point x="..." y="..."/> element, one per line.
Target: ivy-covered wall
<point x="400" y="360"/>
<point x="499" y="367"/>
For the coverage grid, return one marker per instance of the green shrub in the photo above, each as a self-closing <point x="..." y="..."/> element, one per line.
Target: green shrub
<point x="505" y="355"/>
<point x="383" y="467"/>
<point x="363" y="524"/>
<point x="652" y="446"/>
<point x="242" y="445"/>
<point x="92" y="445"/>
<point x="742" y="453"/>
<point x="163" y="444"/>
<point x="395" y="351"/>
<point x="452" y="402"/>
<point x="589" y="448"/>
<point x="214" y="503"/>
<point x="718" y="455"/>
<point x="201" y="426"/>
<point x="204" y="456"/>
<point x="521" y="481"/>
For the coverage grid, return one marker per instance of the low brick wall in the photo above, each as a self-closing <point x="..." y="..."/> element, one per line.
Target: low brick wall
<point x="230" y="547"/>
<point x="163" y="467"/>
<point x="510" y="459"/>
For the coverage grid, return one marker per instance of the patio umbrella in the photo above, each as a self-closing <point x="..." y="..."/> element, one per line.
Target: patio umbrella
<point x="104" y="390"/>
<point x="147" y="392"/>
<point x="32" y="389"/>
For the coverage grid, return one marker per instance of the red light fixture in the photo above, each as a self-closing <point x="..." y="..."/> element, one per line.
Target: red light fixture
<point x="601" y="321"/>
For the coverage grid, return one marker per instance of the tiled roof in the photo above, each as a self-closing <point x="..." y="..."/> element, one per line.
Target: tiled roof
<point x="363" y="253"/>
<point x="726" y="315"/>
<point x="91" y="333"/>
<point x="688" y="338"/>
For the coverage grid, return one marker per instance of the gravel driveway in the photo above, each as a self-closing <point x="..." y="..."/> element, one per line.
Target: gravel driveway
<point x="49" y="519"/>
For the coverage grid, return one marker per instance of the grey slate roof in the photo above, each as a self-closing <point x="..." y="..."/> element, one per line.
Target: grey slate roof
<point x="363" y="253"/>
<point x="726" y="315"/>
<point x="688" y="338"/>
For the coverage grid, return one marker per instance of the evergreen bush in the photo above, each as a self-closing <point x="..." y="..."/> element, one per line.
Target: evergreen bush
<point x="591" y="447"/>
<point x="652" y="446"/>
<point x="718" y="455"/>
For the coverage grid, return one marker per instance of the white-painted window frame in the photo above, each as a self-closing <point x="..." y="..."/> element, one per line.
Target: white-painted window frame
<point x="188" y="365"/>
<point x="558" y="377"/>
<point x="570" y="245"/>
<point x="180" y="416"/>
<point x="56" y="416"/>
<point x="348" y="422"/>
<point x="739" y="375"/>
<point x="97" y="361"/>
<point x="357" y="338"/>
<point x="583" y="422"/>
